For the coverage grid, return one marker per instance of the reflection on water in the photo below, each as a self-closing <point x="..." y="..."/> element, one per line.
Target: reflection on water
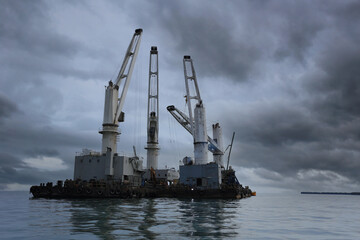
<point x="149" y="219"/>
<point x="154" y="218"/>
<point x="261" y="217"/>
<point x="208" y="218"/>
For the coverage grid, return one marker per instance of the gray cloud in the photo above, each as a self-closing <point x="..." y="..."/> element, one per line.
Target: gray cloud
<point x="23" y="28"/>
<point x="26" y="30"/>
<point x="280" y="126"/>
<point x="6" y="107"/>
<point x="13" y="170"/>
<point x="203" y="31"/>
<point x="34" y="152"/>
<point x="336" y="91"/>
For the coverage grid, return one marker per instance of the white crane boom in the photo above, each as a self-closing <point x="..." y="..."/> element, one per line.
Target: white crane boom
<point x="190" y="75"/>
<point x="131" y="55"/>
<point x="184" y="121"/>
<point x="181" y="117"/>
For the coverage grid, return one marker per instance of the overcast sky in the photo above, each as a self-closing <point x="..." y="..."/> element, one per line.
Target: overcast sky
<point x="284" y="75"/>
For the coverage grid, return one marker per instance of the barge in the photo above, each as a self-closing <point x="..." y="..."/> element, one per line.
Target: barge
<point x="78" y="189"/>
<point x="107" y="174"/>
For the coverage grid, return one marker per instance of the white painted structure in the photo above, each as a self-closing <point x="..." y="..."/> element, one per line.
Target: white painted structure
<point x="200" y="135"/>
<point x="92" y="166"/>
<point x="153" y="111"/>
<point x="217" y="136"/>
<point x="164" y="174"/>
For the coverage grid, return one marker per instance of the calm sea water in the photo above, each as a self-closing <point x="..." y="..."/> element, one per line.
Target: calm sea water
<point x="260" y="217"/>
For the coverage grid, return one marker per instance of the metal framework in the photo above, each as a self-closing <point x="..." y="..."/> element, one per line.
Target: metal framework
<point x="198" y="118"/>
<point x="130" y="55"/>
<point x="153" y="111"/>
<point x="190" y="80"/>
<point x="195" y="123"/>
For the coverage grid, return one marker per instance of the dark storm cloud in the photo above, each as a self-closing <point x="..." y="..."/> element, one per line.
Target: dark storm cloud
<point x="9" y="161"/>
<point x="6" y="107"/>
<point x="296" y="34"/>
<point x="41" y="140"/>
<point x="336" y="91"/>
<point x="43" y="135"/>
<point x="13" y="170"/>
<point x="232" y="39"/>
<point x="315" y="125"/>
<point x="205" y="32"/>
<point x="280" y="125"/>
<point x="26" y="30"/>
<point x="287" y="141"/>
<point x="33" y="55"/>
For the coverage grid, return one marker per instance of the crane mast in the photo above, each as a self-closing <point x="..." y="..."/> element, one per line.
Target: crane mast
<point x="113" y="103"/>
<point x="198" y="118"/>
<point x="195" y="123"/>
<point x="153" y="111"/>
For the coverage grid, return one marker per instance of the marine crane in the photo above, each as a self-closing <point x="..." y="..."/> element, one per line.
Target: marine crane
<point x="153" y="111"/>
<point x="197" y="117"/>
<point x="114" y="104"/>
<point x="195" y="123"/>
